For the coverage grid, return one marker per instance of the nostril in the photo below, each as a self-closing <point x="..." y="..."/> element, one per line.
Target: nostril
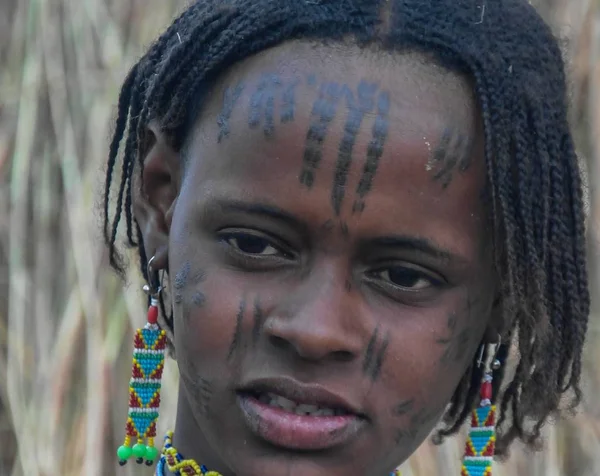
<point x="343" y="356"/>
<point x="279" y="342"/>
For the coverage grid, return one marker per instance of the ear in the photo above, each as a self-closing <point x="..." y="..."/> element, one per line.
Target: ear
<point x="155" y="197"/>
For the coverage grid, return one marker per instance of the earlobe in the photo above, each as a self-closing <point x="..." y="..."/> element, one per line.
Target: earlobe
<point x="155" y="192"/>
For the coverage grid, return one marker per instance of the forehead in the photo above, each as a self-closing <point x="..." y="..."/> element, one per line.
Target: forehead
<point x="413" y="81"/>
<point x="302" y="118"/>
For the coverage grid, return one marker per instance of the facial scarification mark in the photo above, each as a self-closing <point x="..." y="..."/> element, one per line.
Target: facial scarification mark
<point x="323" y="112"/>
<point x="453" y="152"/>
<point x="403" y="407"/>
<point x="370" y="350"/>
<point x="237" y="333"/>
<point x="418" y="420"/>
<point x="457" y="343"/>
<point x="380" y="358"/>
<point x="288" y="102"/>
<point x="231" y="97"/>
<point x="259" y="317"/>
<point x="375" y="354"/>
<point x="262" y="104"/>
<point x="199" y="299"/>
<point x="357" y="109"/>
<point x="181" y="279"/>
<point x="374" y="151"/>
<point x="205" y="393"/>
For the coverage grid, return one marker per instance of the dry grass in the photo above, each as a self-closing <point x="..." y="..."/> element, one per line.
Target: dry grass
<point x="65" y="321"/>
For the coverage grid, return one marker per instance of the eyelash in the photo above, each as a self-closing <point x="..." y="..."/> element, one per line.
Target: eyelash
<point x="413" y="272"/>
<point x="232" y="239"/>
<point x="281" y="254"/>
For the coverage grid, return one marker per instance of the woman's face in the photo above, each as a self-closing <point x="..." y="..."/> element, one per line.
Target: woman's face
<point x="330" y="274"/>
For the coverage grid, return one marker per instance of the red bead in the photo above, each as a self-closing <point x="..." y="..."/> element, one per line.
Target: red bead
<point x="486" y="391"/>
<point x="152" y="314"/>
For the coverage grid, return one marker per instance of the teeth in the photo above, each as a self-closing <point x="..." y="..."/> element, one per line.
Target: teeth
<point x="282" y="402"/>
<point x="304" y="409"/>
<point x="264" y="398"/>
<point x="278" y="401"/>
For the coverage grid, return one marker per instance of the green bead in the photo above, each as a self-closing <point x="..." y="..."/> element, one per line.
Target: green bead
<point x="124" y="452"/>
<point x="151" y="453"/>
<point x="139" y="450"/>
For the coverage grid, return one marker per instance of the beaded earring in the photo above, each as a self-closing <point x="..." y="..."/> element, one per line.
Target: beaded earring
<point x="149" y="345"/>
<point x="481" y="442"/>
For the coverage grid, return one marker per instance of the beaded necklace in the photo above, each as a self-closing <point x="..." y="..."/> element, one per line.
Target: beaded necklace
<point x="179" y="466"/>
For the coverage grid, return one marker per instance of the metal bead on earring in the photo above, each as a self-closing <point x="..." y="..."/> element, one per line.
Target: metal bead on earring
<point x="144" y="387"/>
<point x="481" y="442"/>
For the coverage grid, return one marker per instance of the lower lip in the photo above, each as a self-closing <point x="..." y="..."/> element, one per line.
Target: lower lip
<point x="297" y="432"/>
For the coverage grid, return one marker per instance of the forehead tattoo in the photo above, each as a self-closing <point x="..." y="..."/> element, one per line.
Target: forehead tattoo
<point x="453" y="152"/>
<point x="273" y="92"/>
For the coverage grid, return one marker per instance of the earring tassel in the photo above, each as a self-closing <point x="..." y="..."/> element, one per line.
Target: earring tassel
<point x="481" y="442"/>
<point x="144" y="391"/>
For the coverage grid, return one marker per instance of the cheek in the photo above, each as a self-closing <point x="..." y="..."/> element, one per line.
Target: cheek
<point x="430" y="352"/>
<point x="205" y="323"/>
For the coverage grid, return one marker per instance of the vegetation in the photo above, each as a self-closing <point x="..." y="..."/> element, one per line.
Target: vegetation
<point x="65" y="318"/>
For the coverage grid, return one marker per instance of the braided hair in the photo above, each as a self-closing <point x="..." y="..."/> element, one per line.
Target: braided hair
<point x="533" y="175"/>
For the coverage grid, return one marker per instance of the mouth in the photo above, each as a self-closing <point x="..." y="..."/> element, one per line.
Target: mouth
<point x="297" y="416"/>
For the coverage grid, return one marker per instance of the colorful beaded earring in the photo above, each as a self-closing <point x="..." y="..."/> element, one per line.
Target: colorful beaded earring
<point x="481" y="442"/>
<point x="144" y="387"/>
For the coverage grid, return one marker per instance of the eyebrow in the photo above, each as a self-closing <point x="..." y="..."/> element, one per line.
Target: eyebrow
<point x="421" y="245"/>
<point x="261" y="209"/>
<point x="406" y="242"/>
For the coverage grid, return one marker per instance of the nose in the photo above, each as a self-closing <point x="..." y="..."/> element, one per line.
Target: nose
<point x="320" y="320"/>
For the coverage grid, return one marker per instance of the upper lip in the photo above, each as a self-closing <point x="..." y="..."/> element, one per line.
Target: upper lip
<point x="310" y="394"/>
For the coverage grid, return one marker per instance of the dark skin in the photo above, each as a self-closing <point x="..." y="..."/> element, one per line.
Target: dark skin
<point x="384" y="303"/>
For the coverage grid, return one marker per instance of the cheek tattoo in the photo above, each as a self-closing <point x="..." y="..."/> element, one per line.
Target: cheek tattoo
<point x="375" y="355"/>
<point x="418" y="420"/>
<point x="458" y="341"/>
<point x="237" y="333"/>
<point x="180" y="282"/>
<point x="205" y="392"/>
<point x="259" y="317"/>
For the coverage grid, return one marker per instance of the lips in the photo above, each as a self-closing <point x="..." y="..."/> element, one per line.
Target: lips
<point x="294" y="415"/>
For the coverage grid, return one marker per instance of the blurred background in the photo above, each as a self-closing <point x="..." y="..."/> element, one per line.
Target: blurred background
<point x="66" y="320"/>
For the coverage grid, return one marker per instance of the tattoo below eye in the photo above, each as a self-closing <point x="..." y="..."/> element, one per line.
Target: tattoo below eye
<point x="458" y="341"/>
<point x="237" y="333"/>
<point x="258" y="321"/>
<point x="181" y="276"/>
<point x="375" y="355"/>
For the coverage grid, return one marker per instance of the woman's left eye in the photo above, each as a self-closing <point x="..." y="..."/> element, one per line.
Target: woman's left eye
<point x="251" y="244"/>
<point x="406" y="278"/>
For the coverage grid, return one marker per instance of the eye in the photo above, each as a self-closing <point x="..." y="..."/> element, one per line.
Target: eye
<point x="251" y="244"/>
<point x="406" y="278"/>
